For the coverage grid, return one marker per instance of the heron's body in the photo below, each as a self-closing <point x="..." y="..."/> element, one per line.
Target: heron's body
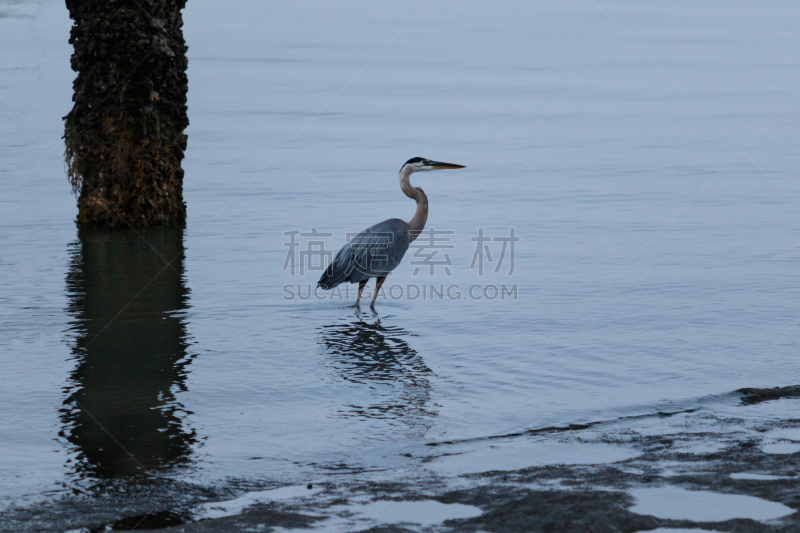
<point x="372" y="253"/>
<point x="378" y="250"/>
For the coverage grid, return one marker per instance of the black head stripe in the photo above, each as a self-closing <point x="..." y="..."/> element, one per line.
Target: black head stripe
<point x="412" y="160"/>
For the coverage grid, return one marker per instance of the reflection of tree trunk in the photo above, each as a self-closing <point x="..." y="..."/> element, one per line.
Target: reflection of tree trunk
<point x="130" y="352"/>
<point x="125" y="134"/>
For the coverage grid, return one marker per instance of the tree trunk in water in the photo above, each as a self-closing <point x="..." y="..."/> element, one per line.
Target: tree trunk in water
<point x="125" y="134"/>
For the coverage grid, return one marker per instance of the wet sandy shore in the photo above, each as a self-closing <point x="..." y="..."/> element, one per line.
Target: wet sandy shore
<point x="681" y="470"/>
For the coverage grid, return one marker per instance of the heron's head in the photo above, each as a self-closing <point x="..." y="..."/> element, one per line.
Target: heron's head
<point x="420" y="164"/>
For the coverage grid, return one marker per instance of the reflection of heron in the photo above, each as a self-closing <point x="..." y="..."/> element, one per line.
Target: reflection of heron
<point x="378" y="359"/>
<point x="130" y="350"/>
<point x="378" y="250"/>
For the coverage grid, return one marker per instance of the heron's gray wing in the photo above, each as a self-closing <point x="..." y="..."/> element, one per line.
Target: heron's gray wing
<point x="374" y="252"/>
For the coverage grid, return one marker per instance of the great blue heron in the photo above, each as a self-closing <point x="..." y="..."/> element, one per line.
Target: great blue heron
<point x="376" y="251"/>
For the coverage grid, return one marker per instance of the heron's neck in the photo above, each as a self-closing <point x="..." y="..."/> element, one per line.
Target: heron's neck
<point x="416" y="224"/>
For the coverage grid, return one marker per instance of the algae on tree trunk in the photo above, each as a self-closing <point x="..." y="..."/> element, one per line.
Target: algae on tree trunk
<point x="125" y="133"/>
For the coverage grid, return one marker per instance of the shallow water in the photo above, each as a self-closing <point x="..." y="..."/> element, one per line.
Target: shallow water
<point x="651" y="184"/>
<point x="473" y="458"/>
<point x="423" y="512"/>
<point x="758" y="477"/>
<point x="701" y="506"/>
<point x="233" y="507"/>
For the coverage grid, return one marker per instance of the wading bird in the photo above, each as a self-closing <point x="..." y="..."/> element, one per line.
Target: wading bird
<point x="376" y="251"/>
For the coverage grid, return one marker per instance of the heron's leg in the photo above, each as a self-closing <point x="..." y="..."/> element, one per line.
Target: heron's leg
<point x="361" y="285"/>
<point x="378" y="284"/>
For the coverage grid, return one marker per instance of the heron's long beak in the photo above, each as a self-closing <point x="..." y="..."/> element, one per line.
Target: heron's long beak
<point x="441" y="166"/>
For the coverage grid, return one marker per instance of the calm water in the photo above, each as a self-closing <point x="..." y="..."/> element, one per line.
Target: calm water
<point x="645" y="153"/>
